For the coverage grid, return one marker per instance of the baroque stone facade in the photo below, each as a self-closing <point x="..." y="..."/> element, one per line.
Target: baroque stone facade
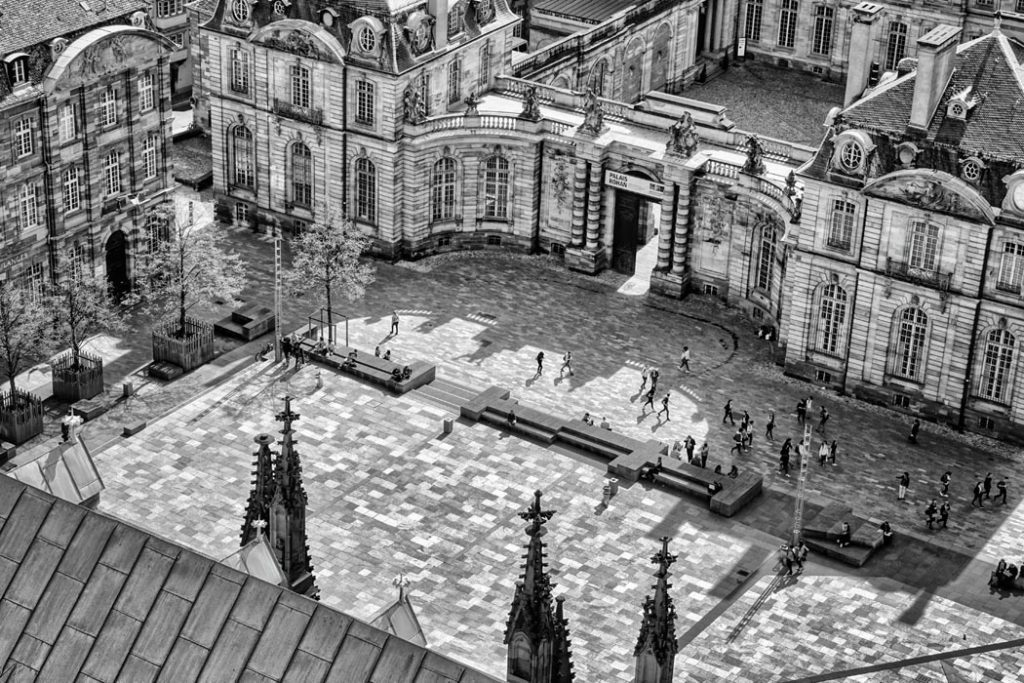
<point x="86" y="120"/>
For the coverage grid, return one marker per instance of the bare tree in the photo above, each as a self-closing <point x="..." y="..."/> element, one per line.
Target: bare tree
<point x="326" y="262"/>
<point x="24" y="323"/>
<point x="185" y="265"/>
<point x="82" y="305"/>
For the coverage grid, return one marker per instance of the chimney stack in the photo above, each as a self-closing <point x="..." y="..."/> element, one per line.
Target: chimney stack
<point x="439" y="10"/>
<point x="859" y="60"/>
<point x="935" y="52"/>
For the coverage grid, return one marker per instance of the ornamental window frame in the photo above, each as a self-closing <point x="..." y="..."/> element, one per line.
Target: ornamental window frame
<point x="366" y="102"/>
<point x="833" y="308"/>
<point x="456" y="16"/>
<point x="300" y="85"/>
<point x="497" y="195"/>
<point x="1011" y="267"/>
<point x="910" y="343"/>
<point x="924" y="245"/>
<point x="67" y="122"/>
<point x="243" y="167"/>
<point x="368" y="34"/>
<point x="996" y="376"/>
<point x="766" y="256"/>
<point x="788" y="16"/>
<point x="301" y="177"/>
<point x="365" y="179"/>
<point x="971" y="170"/>
<point x="850" y="153"/>
<point x="842" y="222"/>
<point x="444" y="179"/>
<point x="240" y="75"/>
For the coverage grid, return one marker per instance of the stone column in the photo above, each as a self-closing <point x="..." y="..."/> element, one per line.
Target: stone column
<point x="594" y="207"/>
<point x="709" y="13"/>
<point x="579" y="202"/>
<point x="720" y="24"/>
<point x="681" y="242"/>
<point x="665" y="231"/>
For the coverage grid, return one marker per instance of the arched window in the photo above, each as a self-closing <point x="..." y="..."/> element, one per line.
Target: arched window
<point x="911" y="333"/>
<point x="496" y="179"/>
<point x="519" y="657"/>
<point x="766" y="262"/>
<point x="995" y="371"/>
<point x="442" y="190"/>
<point x="831" y="319"/>
<point x="241" y="148"/>
<point x="366" y="190"/>
<point x="598" y="75"/>
<point x="302" y="175"/>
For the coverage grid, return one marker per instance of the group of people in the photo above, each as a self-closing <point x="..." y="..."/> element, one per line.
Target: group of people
<point x="792" y="557"/>
<point x="1005" y="575"/>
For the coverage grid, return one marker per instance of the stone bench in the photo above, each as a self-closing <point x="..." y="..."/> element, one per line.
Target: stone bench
<point x="248" y="322"/>
<point x="372" y="368"/>
<point x="821" y="533"/>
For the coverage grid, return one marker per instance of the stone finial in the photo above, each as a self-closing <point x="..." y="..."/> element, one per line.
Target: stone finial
<point x="413" y="108"/>
<point x="682" y="136"/>
<point x="593" y="114"/>
<point x="754" y="164"/>
<point x="531" y="104"/>
<point x="401" y="582"/>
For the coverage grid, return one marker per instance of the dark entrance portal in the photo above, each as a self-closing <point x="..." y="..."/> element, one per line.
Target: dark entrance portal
<point x="117" y="264"/>
<point x="631" y="230"/>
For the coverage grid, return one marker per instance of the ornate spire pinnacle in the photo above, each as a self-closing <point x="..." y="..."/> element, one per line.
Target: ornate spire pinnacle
<point x="288" y="510"/>
<point x="401" y="583"/>
<point x="258" y="506"/>
<point x="538" y="638"/>
<point x="656" y="647"/>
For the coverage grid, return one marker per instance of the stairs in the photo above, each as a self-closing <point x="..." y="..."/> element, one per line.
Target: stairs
<point x="447" y="394"/>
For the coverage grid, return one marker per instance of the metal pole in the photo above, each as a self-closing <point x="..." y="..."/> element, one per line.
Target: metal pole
<point x="346" y="330"/>
<point x="277" y="298"/>
<point x="804" y="449"/>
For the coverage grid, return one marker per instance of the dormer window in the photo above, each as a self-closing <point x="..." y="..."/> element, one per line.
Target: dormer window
<point x="17" y="68"/>
<point x="419" y="29"/>
<point x="455" y="19"/>
<point x="961" y="104"/>
<point x="852" y="148"/>
<point x="367" y="37"/>
<point x="971" y="168"/>
<point x="240" y="11"/>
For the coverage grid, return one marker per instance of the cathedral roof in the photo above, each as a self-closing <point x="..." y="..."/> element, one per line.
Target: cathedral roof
<point x="66" y="471"/>
<point x="989" y="69"/>
<point x="28" y="22"/>
<point x="85" y="596"/>
<point x="589" y="11"/>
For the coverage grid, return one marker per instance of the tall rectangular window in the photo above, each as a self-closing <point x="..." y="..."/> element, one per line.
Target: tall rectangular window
<point x="19" y="71"/>
<point x="910" y="338"/>
<point x="241" y="149"/>
<point x="23" y="137"/>
<point x="35" y="283"/>
<point x="28" y="208"/>
<point x="496" y="181"/>
<point x="424" y="84"/>
<point x="753" y="23"/>
<point x="442" y="189"/>
<point x="454" y="81"/>
<point x="997" y="365"/>
<point x="302" y="175"/>
<point x="831" y="319"/>
<point x="840" y="231"/>
<point x="240" y="70"/>
<point x="68" y="118"/>
<point x="485" y="67"/>
<point x="77" y="261"/>
<point x="300" y="85"/>
<point x="108" y="107"/>
<point x="787" y="23"/>
<point x="112" y="173"/>
<point x="896" y="48"/>
<point x="821" y="40"/>
<point x="365" y="102"/>
<point x="1011" y="268"/>
<point x="72" y="190"/>
<point x="145" y="92"/>
<point x="366" y="190"/>
<point x="924" y="245"/>
<point x="766" y="262"/>
<point x="149" y="157"/>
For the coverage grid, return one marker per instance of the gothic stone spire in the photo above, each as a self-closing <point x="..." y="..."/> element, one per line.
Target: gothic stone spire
<point x="538" y="639"/>
<point x="257" y="509"/>
<point x="288" y="510"/>
<point x="656" y="647"/>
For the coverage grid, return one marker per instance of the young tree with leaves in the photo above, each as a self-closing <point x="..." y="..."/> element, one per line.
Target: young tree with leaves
<point x="24" y="323"/>
<point x="186" y="266"/>
<point x="326" y="261"/>
<point x="81" y="305"/>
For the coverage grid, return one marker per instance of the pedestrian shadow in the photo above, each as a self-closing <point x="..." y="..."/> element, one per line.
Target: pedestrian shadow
<point x="599" y="509"/>
<point x="634" y="397"/>
<point x="659" y="424"/>
<point x="642" y="416"/>
<point x="533" y="380"/>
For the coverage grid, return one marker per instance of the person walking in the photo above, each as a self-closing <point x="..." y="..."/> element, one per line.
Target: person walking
<point x="737" y="439"/>
<point x="655" y="374"/>
<point x="800" y="556"/>
<point x="944" y="514"/>
<point x="664" y="406"/>
<point x="784" y="461"/>
<point x="1001" y="487"/>
<point x="903" y="486"/>
<point x="376" y="351"/>
<point x="987" y="484"/>
<point x="801" y="411"/>
<point x="944" y="480"/>
<point x="914" y="430"/>
<point x="727" y="413"/>
<point x="566" y="364"/>
<point x="319" y="380"/>
<point x="394" y="323"/>
<point x="769" y="429"/>
<point x="704" y="455"/>
<point x="979" y="491"/>
<point x="684" y="359"/>
<point x="540" y="362"/>
<point x="286" y="349"/>
<point x="745" y="420"/>
<point x="823" y="417"/>
<point x="644" y="372"/>
<point x="930" y="512"/>
<point x="823" y="453"/>
<point x="832" y="451"/>
<point x="648" y="401"/>
<point x="785" y="559"/>
<point x="748" y="434"/>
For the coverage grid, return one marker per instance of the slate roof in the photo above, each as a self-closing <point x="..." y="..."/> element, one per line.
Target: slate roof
<point x="590" y="11"/>
<point x="85" y="597"/>
<point x="995" y="126"/>
<point x="204" y="9"/>
<point x="66" y="471"/>
<point x="28" y="22"/>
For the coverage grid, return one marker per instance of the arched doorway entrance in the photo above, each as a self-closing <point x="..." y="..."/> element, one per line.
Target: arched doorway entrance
<point x="117" y="263"/>
<point x="637" y="213"/>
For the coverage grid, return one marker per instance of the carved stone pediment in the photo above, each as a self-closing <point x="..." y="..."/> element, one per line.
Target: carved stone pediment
<point x="932" y="190"/>
<point x="296" y="42"/>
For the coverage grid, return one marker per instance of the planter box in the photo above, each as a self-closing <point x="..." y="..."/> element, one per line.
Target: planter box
<point x="72" y="383"/>
<point x="194" y="348"/>
<point x="21" y="417"/>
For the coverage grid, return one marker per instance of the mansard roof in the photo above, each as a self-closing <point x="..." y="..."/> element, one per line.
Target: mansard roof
<point x="29" y="22"/>
<point x="990" y="68"/>
<point x="85" y="596"/>
<point x="588" y="11"/>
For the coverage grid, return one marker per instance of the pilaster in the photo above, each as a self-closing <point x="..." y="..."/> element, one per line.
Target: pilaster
<point x="579" y="202"/>
<point x="594" y="207"/>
